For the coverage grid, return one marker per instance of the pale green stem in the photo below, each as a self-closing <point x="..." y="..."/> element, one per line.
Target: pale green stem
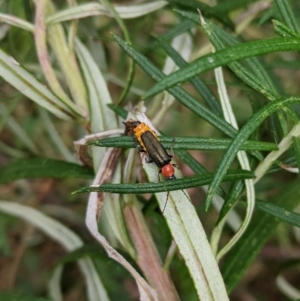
<point x="271" y="157"/>
<point x="243" y="160"/>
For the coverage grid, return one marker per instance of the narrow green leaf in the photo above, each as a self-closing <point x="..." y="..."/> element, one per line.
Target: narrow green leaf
<point x="230" y="200"/>
<point x="287" y="216"/>
<point x="17" y="22"/>
<point x="42" y="168"/>
<point x="291" y="114"/>
<point x="260" y="230"/>
<point x="206" y="10"/>
<point x="198" y="84"/>
<point x="282" y="118"/>
<point x="283" y="30"/>
<point x="118" y="110"/>
<point x="175" y="31"/>
<point x="190" y="161"/>
<point x="182" y="96"/>
<point x="275" y="128"/>
<point x="224" y="57"/>
<point x="251" y="71"/>
<point x="195" y="166"/>
<point x="241" y="137"/>
<point x="296" y="145"/>
<point x="128" y="11"/>
<point x="187" y="143"/>
<point x="278" y="125"/>
<point x="177" y="184"/>
<point x="287" y="15"/>
<point x="66" y="60"/>
<point x="40" y="38"/>
<point x="267" y="15"/>
<point x="77" y="12"/>
<point x="27" y="84"/>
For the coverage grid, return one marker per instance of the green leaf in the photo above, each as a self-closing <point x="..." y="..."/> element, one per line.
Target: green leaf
<point x="91" y="9"/>
<point x="231" y="199"/>
<point x="182" y="96"/>
<point x="27" y="84"/>
<point x="251" y="71"/>
<point x="267" y="15"/>
<point x="187" y="143"/>
<point x="40" y="36"/>
<point x="287" y="15"/>
<point x="282" y="119"/>
<point x="175" y="31"/>
<point x="17" y="22"/>
<point x="177" y="184"/>
<point x="241" y="137"/>
<point x="190" y="161"/>
<point x="275" y="128"/>
<point x="284" y="31"/>
<point x="195" y="166"/>
<point x="64" y="56"/>
<point x="118" y="110"/>
<point x="42" y="168"/>
<point x="198" y="84"/>
<point x="224" y="57"/>
<point x="284" y="215"/>
<point x="259" y="231"/>
<point x="206" y="10"/>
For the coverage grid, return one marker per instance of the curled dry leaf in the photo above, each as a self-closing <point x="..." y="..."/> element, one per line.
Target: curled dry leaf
<point x="147" y="293"/>
<point x="81" y="149"/>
